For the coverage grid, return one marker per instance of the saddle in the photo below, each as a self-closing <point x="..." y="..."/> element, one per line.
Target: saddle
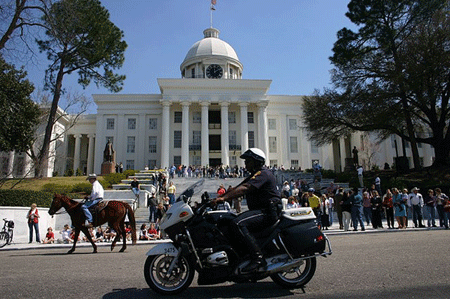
<point x="97" y="208"/>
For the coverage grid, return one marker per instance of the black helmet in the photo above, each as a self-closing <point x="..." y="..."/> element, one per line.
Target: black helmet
<point x="254" y="153"/>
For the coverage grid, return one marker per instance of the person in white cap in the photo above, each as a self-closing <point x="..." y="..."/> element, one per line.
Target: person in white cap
<point x="416" y="201"/>
<point x="93" y="199"/>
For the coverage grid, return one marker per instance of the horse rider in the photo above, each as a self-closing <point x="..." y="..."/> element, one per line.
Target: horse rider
<point x="93" y="199"/>
<point x="263" y="197"/>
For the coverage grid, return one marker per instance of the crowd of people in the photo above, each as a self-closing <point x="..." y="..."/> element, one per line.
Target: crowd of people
<point x="358" y="205"/>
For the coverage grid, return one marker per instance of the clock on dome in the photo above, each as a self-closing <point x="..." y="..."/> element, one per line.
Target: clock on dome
<point x="214" y="71"/>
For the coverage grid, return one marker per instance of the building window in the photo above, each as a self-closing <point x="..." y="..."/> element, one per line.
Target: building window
<point x="131" y="144"/>
<point x="193" y="73"/>
<point x="196" y="160"/>
<point x="153" y="123"/>
<point x="293" y="124"/>
<point x="110" y="124"/>
<point x="233" y="161"/>
<point x="196" y="137"/>
<point x="294" y="164"/>
<point x="178" y="116"/>
<point x="232" y="117"/>
<point x="250" y="118"/>
<point x="273" y="163"/>
<point x="152" y="144"/>
<point x="272" y="144"/>
<point x="131" y="124"/>
<point x="177" y="160"/>
<point x="21" y="165"/>
<point x="232" y="137"/>
<point x="294" y="144"/>
<point x="314" y="147"/>
<point x="151" y="164"/>
<point x="176" y="139"/>
<point x="231" y="73"/>
<point x="129" y="164"/>
<point x="196" y="117"/>
<point x="393" y="141"/>
<point x="251" y="139"/>
<point x="110" y="138"/>
<point x="272" y="124"/>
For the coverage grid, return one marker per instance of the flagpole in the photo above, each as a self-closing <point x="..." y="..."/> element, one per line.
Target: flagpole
<point x="211" y="14"/>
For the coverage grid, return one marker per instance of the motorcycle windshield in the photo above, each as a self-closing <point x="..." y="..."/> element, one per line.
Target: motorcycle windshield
<point x="191" y="190"/>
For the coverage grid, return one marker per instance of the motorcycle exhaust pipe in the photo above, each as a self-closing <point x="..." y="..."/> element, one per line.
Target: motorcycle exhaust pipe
<point x="283" y="266"/>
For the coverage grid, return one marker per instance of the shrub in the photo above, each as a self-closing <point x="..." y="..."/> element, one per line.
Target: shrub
<point x="59" y="189"/>
<point x="24" y="198"/>
<point x="112" y="178"/>
<point x="129" y="172"/>
<point x="69" y="172"/>
<point x="79" y="172"/>
<point x="82" y="188"/>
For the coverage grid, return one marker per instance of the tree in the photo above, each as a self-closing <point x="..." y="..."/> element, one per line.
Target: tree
<point x="82" y="39"/>
<point x="19" y="115"/>
<point x="19" y="15"/>
<point x="390" y="77"/>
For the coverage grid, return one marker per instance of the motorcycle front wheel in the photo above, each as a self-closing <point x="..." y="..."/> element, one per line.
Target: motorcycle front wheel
<point x="157" y="276"/>
<point x="297" y="276"/>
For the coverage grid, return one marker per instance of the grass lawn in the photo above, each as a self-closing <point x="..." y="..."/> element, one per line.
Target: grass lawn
<point x="36" y="184"/>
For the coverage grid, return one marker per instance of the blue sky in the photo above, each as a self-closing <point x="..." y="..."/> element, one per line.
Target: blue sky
<point x="286" y="41"/>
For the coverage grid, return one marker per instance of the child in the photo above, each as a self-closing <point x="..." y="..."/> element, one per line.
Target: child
<point x="49" y="237"/>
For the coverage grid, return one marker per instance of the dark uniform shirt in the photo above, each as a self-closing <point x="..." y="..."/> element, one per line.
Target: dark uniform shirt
<point x="266" y="190"/>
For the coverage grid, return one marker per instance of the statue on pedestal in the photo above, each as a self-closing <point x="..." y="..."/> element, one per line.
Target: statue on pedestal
<point x="109" y="158"/>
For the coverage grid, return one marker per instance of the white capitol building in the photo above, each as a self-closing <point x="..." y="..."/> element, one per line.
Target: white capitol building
<point x="209" y="116"/>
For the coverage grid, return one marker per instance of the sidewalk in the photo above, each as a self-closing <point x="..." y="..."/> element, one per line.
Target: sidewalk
<point x="35" y="245"/>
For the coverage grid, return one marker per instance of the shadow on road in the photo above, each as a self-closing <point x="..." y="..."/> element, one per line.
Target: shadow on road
<point x="246" y="290"/>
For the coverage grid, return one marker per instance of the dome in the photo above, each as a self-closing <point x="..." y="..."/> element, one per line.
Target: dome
<point x="210" y="46"/>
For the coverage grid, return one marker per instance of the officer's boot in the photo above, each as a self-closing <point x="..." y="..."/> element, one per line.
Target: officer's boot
<point x="257" y="259"/>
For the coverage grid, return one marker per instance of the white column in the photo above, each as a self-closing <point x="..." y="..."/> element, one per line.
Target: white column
<point x="283" y="145"/>
<point x="165" y="139"/>
<point x="141" y="150"/>
<point x="100" y="141"/>
<point x="10" y="164"/>
<point x="90" y="157"/>
<point x="343" y="152"/>
<point x="244" y="129"/>
<point x="120" y="140"/>
<point x="205" y="134"/>
<point x="76" y="154"/>
<point x="263" y="136"/>
<point x="225" y="133"/>
<point x="185" y="133"/>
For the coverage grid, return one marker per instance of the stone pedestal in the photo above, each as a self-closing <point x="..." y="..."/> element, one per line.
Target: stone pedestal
<point x="349" y="165"/>
<point x="108" y="167"/>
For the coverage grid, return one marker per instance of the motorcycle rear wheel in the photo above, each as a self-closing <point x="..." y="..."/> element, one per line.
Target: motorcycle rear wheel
<point x="157" y="276"/>
<point x="296" y="277"/>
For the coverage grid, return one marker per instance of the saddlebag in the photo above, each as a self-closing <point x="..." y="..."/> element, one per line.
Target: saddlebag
<point x="304" y="238"/>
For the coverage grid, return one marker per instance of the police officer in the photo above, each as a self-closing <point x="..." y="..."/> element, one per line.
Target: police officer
<point x="263" y="197"/>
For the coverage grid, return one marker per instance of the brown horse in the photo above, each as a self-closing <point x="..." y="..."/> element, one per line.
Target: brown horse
<point x="114" y="213"/>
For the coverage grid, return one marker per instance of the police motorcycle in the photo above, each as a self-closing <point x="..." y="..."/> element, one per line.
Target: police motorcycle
<point x="201" y="241"/>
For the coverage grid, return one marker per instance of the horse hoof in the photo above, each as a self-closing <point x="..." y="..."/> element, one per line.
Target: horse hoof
<point x="122" y="250"/>
<point x="95" y="251"/>
<point x="70" y="251"/>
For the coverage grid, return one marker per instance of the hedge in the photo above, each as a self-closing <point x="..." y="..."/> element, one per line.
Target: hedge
<point x="24" y="198"/>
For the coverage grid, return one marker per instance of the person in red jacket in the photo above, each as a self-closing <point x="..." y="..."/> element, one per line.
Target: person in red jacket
<point x="33" y="221"/>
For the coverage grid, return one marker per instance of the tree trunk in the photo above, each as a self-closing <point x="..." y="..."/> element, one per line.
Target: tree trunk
<point x="41" y="165"/>
<point x="12" y="26"/>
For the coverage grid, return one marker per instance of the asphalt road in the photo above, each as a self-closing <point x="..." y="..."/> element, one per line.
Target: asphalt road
<point x="399" y="264"/>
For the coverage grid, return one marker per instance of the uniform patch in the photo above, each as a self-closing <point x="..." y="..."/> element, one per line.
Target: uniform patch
<point x="256" y="174"/>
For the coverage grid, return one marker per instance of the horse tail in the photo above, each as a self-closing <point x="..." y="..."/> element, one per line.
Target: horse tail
<point x="132" y="222"/>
